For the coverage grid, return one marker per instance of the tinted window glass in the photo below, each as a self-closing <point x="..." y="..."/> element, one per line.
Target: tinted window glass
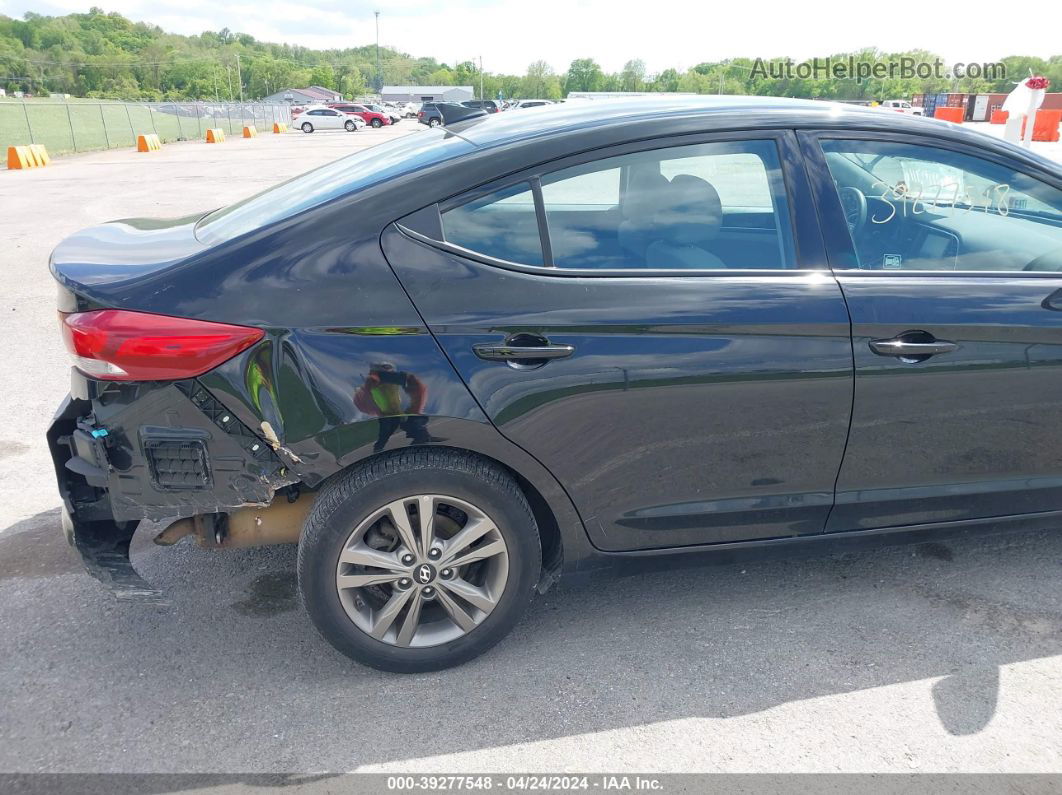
<point x="503" y="225"/>
<point x="921" y="208"/>
<point x="354" y="172"/>
<point x="707" y="206"/>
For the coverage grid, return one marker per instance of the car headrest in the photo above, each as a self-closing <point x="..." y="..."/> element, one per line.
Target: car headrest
<point x="643" y="195"/>
<point x="690" y="212"/>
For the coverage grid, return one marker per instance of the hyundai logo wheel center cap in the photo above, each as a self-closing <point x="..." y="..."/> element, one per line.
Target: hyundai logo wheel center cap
<point x="424" y="573"/>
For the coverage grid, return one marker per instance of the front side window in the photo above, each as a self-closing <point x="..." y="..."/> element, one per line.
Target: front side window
<point x="698" y="207"/>
<point x="911" y="207"/>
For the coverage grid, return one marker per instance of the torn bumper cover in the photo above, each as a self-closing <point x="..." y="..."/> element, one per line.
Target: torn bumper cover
<point x="126" y="452"/>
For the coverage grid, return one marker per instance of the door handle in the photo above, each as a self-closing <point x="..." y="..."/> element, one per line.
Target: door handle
<point x="521" y="353"/>
<point x="912" y="346"/>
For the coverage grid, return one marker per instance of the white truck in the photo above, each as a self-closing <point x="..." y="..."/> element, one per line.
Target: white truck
<point x="902" y="106"/>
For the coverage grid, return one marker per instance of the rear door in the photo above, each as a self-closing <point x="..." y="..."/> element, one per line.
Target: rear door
<point x="682" y="391"/>
<point x="950" y="259"/>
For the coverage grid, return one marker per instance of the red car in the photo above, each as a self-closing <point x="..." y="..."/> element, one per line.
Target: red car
<point x="371" y="117"/>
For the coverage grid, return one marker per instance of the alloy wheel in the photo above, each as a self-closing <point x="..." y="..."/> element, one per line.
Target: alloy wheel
<point x="422" y="571"/>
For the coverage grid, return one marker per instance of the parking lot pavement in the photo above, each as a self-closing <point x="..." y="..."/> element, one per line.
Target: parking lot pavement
<point x="942" y="657"/>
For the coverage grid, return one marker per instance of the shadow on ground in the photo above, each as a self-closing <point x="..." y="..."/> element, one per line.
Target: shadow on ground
<point x="232" y="676"/>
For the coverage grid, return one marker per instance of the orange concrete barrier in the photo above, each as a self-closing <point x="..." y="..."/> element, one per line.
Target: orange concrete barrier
<point x="215" y="135"/>
<point x="20" y="157"/>
<point x="148" y="143"/>
<point x="999" y="117"/>
<point x="250" y="131"/>
<point x="31" y="156"/>
<point x="1045" y="127"/>
<point x="279" y="127"/>
<point x="949" y="114"/>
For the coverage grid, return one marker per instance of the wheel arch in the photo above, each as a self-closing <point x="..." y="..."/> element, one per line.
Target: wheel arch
<point x="565" y="544"/>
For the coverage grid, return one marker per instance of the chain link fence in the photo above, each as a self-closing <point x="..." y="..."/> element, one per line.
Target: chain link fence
<point x="87" y="125"/>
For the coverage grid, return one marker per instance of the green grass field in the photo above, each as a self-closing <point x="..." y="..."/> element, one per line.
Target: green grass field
<point x="79" y="125"/>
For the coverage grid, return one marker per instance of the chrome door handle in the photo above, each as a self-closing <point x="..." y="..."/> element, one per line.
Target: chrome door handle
<point x="521" y="353"/>
<point x="915" y="345"/>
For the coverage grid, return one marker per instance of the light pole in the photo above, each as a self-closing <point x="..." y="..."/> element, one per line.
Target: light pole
<point x="239" y="76"/>
<point x="379" y="74"/>
<point x="481" y="78"/>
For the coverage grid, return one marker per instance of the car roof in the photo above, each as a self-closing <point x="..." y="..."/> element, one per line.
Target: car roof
<point x="718" y="112"/>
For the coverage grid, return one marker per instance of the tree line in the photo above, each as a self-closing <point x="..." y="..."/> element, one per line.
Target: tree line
<point x="105" y="55"/>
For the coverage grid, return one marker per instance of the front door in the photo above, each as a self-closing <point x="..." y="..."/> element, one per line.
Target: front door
<point x="650" y="324"/>
<point x="951" y="264"/>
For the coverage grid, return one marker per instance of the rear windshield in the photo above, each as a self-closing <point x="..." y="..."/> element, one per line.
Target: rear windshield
<point x="346" y="175"/>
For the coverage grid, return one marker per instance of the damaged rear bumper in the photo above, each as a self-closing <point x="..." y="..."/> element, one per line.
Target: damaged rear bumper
<point x="124" y="453"/>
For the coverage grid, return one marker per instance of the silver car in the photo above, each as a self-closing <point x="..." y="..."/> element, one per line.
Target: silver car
<point x="329" y="119"/>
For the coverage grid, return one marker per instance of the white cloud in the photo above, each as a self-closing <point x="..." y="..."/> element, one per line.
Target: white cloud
<point x="509" y="34"/>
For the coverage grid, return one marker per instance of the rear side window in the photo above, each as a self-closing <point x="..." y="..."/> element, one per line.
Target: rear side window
<point x="707" y="206"/>
<point x="503" y="225"/>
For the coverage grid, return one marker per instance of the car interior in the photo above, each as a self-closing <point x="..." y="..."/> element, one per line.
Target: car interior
<point x="634" y="216"/>
<point x="914" y="208"/>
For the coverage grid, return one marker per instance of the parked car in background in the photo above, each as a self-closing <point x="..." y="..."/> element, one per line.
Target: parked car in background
<point x="531" y="103"/>
<point x="436" y="114"/>
<point x="902" y="106"/>
<point x="371" y="117"/>
<point x="430" y="114"/>
<point x="489" y="105"/>
<point x="410" y="109"/>
<point x="393" y="115"/>
<point x="328" y="119"/>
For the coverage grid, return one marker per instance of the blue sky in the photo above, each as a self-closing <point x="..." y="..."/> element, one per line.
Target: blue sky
<point x="509" y="34"/>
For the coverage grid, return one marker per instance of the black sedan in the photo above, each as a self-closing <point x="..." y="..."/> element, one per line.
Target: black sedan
<point x="460" y="364"/>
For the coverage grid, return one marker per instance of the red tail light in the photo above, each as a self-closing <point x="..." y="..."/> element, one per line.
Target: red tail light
<point x="117" y="345"/>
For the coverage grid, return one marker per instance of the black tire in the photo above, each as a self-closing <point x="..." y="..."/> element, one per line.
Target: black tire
<point x="307" y="127"/>
<point x="377" y="123"/>
<point x="350" y="126"/>
<point x="434" y="122"/>
<point x="350" y="497"/>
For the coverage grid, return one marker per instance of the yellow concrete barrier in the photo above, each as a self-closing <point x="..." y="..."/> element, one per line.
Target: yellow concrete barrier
<point x="280" y="127"/>
<point x="148" y="143"/>
<point x="40" y="154"/>
<point x="215" y="135"/>
<point x="38" y="151"/>
<point x="250" y="131"/>
<point x="30" y="156"/>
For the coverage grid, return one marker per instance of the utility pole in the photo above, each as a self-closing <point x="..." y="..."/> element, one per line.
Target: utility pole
<point x="239" y="76"/>
<point x="214" y="71"/>
<point x="379" y="73"/>
<point x="481" y="78"/>
<point x="228" y="74"/>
